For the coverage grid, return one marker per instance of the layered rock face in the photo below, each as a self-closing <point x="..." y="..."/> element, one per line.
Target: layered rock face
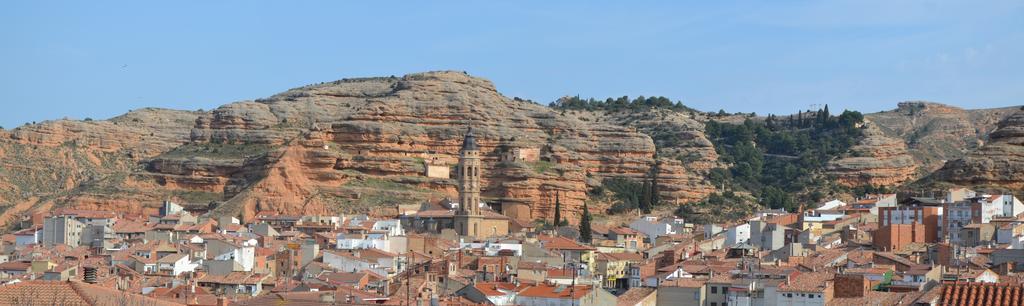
<point x="876" y="160"/>
<point x="999" y="163"/>
<point x="935" y="133"/>
<point x="344" y="146"/>
<point x="85" y="163"/>
<point x="360" y="144"/>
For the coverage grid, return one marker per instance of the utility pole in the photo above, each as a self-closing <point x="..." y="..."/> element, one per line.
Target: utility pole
<point x="572" y="289"/>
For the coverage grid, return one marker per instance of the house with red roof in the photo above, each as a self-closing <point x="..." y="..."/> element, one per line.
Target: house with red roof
<point x="493" y="293"/>
<point x="546" y="295"/>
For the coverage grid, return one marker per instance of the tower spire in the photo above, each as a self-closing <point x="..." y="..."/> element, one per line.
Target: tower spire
<point x="469" y="216"/>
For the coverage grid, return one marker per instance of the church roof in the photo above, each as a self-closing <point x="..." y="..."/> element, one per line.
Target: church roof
<point x="469" y="143"/>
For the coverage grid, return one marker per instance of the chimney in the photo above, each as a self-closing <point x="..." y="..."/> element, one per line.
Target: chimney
<point x="327" y="297"/>
<point x="90" y="275"/>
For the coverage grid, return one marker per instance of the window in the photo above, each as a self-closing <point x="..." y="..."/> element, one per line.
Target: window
<point x="714" y="289"/>
<point x="714" y="304"/>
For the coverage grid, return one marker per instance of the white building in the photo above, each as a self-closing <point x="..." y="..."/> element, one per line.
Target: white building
<point x="831" y="205"/>
<point x="377" y="261"/>
<point x="393" y="227"/>
<point x="822" y="216"/>
<point x="176" y="263"/>
<point x="491" y="248"/>
<point x="651" y="227"/>
<point x="243" y="254"/>
<point x="28" y="236"/>
<point x="737" y="235"/>
<point x="1012" y="207"/>
<point x="359" y="241"/>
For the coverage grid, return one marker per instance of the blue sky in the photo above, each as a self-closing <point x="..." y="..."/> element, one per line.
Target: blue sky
<point x="100" y="59"/>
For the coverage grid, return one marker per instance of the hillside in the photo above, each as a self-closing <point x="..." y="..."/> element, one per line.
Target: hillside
<point x="349" y="145"/>
<point x="998" y="164"/>
<point x="935" y="133"/>
<point x="360" y="145"/>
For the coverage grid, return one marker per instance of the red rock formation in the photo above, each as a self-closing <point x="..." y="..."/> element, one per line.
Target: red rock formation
<point x="340" y="146"/>
<point x="876" y="160"/>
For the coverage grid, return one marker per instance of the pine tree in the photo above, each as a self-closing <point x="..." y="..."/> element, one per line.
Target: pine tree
<point x="585" y="232"/>
<point x="645" y="198"/>
<point x="655" y="196"/>
<point x="558" y="210"/>
<point x="825" y="116"/>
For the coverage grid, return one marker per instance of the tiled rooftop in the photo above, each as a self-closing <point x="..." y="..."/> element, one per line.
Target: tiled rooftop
<point x="968" y="294"/>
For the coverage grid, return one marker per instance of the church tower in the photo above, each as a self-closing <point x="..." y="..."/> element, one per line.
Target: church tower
<point x="468" y="219"/>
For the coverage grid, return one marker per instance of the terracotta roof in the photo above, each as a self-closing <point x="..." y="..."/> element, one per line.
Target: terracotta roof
<point x="15" y="266"/>
<point x="982" y="294"/>
<point x="70" y="294"/>
<point x="860" y="257"/>
<point x="172" y="258"/>
<point x="895" y="258"/>
<point x="495" y="289"/>
<point x="347" y="278"/>
<point x="527" y="265"/>
<point x="312" y="298"/>
<point x="871" y="298"/>
<point x="556" y="292"/>
<point x="808" y="282"/>
<point x="623" y="231"/>
<point x="562" y="243"/>
<point x="128" y="226"/>
<point x="635" y="295"/>
<point x="236" y="278"/>
<point x="635" y="257"/>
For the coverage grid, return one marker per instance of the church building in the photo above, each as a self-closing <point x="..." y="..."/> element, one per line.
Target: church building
<point x="469" y="216"/>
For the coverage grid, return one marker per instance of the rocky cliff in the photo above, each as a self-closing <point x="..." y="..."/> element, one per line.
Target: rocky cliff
<point x="356" y="145"/>
<point x="935" y="133"/>
<point x="998" y="163"/>
<point x="349" y="145"/>
<point x="876" y="160"/>
<point x="88" y="163"/>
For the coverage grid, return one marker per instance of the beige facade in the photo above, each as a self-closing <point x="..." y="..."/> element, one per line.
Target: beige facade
<point x="436" y="167"/>
<point x="470" y="220"/>
<point x="521" y="155"/>
<point x="62" y="230"/>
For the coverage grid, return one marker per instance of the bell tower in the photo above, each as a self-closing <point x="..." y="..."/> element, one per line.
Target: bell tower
<point x="468" y="218"/>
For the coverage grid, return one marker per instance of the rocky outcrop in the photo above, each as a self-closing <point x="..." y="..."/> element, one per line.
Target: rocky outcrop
<point x="424" y="116"/>
<point x="999" y="163"/>
<point x="356" y="144"/>
<point x="876" y="160"/>
<point x="935" y="133"/>
<point x="359" y="144"/>
<point x="70" y="162"/>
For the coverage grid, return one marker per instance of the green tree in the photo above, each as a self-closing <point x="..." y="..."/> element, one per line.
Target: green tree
<point x="645" y="197"/>
<point x="655" y="193"/>
<point x="585" y="232"/>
